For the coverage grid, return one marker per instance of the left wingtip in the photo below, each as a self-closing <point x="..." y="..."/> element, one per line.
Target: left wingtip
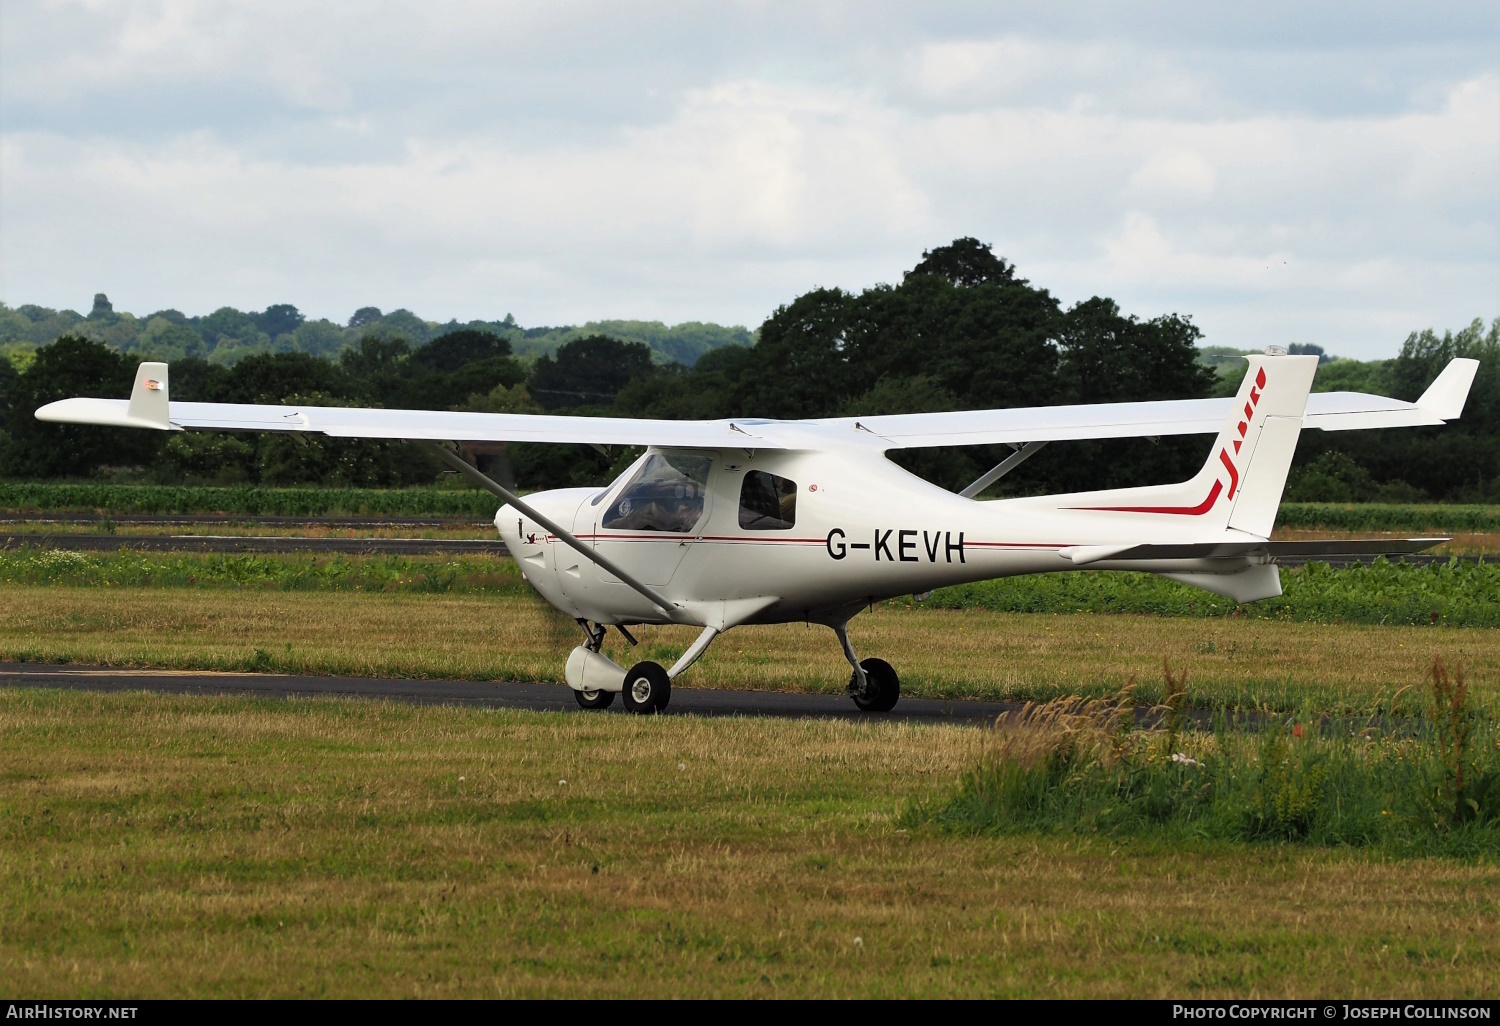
<point x="1446" y="396"/>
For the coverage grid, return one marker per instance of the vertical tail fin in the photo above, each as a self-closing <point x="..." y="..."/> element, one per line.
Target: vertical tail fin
<point x="1240" y="486"/>
<point x="1272" y="400"/>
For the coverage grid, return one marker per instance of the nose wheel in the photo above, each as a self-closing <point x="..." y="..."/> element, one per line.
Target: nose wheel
<point x="647" y="689"/>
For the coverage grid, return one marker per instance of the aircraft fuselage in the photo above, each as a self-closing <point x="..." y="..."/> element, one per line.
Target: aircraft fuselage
<point x="862" y="531"/>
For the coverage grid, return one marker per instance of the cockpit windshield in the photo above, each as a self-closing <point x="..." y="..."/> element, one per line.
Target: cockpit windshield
<point x="666" y="494"/>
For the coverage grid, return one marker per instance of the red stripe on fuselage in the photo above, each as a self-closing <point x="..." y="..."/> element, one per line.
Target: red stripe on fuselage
<point x="552" y="539"/>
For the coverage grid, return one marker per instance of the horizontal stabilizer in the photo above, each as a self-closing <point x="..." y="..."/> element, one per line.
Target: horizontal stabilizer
<point x="1310" y="549"/>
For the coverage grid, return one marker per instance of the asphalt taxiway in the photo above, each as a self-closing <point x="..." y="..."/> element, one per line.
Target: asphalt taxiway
<point x="538" y="697"/>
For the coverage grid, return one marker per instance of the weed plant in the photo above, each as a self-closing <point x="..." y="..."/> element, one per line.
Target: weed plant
<point x="1084" y="766"/>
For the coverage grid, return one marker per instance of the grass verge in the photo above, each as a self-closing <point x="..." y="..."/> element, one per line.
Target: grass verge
<point x="162" y="846"/>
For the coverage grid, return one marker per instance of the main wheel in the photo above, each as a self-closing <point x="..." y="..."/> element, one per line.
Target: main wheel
<point x="648" y="689"/>
<point x="595" y="699"/>
<point x="884" y="686"/>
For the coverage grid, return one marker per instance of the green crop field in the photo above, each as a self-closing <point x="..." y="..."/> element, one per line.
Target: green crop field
<point x="1374" y="516"/>
<point x="466" y="502"/>
<point x="1455" y="594"/>
<point x="247" y="500"/>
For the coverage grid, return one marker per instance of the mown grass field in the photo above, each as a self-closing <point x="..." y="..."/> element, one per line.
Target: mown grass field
<point x="972" y="653"/>
<point x="167" y="846"/>
<point x="157" y="845"/>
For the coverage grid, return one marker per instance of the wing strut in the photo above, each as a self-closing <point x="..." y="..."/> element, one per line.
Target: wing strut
<point x="1000" y="469"/>
<point x="564" y="536"/>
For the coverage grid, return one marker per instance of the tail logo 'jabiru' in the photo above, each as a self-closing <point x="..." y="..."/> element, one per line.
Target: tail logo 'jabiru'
<point x="1218" y="486"/>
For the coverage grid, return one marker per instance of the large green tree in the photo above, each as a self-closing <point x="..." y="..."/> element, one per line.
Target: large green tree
<point x="69" y="367"/>
<point x="1459" y="462"/>
<point x="587" y="372"/>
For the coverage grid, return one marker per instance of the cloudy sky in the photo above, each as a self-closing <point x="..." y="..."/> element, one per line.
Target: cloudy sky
<point x="1279" y="171"/>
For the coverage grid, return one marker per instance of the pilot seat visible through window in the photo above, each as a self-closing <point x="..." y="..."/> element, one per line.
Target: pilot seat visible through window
<point x="767" y="502"/>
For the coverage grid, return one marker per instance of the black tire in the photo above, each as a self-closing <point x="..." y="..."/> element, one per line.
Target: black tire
<point x="648" y="689"/>
<point x="885" y="686"/>
<point x="595" y="699"/>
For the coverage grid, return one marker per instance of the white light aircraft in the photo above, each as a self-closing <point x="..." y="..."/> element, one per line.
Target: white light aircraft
<point x="744" y="521"/>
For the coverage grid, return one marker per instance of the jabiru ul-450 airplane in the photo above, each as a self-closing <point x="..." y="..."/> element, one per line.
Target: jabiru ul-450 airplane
<point x="732" y="522"/>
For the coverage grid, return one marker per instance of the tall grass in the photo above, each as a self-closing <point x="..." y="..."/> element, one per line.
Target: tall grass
<point x="247" y="500"/>
<point x="1084" y="766"/>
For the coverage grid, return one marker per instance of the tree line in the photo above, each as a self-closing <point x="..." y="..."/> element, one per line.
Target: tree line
<point x="961" y="330"/>
<point x="227" y="335"/>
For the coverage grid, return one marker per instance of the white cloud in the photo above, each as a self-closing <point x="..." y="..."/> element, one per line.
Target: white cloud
<point x="584" y="161"/>
<point x="1177" y="172"/>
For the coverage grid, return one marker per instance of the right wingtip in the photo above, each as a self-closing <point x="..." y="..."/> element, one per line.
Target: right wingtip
<point x="1446" y="396"/>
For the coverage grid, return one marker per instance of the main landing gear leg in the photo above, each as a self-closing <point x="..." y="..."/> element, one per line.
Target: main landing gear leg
<point x="873" y="685"/>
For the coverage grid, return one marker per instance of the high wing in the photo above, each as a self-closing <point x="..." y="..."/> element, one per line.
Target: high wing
<point x="1330" y="411"/>
<point x="414" y="425"/>
<point x="149" y="407"/>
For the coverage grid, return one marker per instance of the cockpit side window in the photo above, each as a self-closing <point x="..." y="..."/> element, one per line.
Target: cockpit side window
<point x="666" y="494"/>
<point x="767" y="502"/>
